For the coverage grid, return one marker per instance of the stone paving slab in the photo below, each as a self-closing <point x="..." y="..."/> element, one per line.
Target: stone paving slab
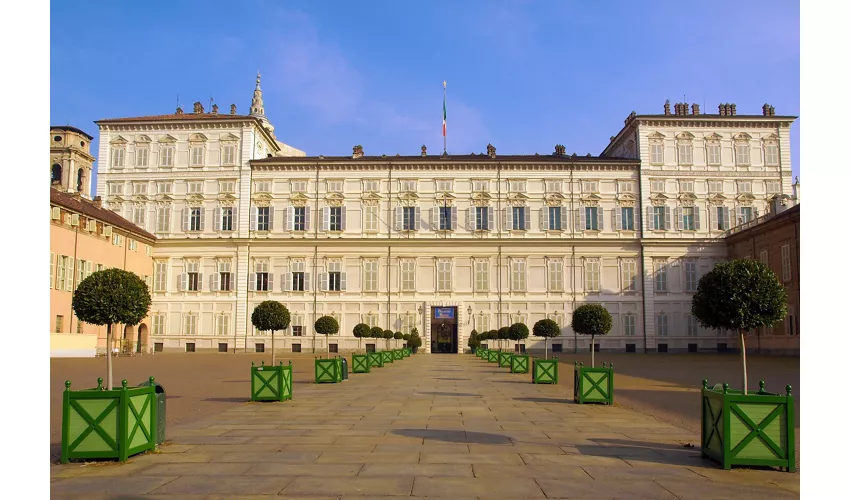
<point x="466" y="431"/>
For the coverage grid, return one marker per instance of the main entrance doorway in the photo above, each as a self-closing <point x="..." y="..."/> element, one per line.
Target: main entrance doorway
<point x="444" y="330"/>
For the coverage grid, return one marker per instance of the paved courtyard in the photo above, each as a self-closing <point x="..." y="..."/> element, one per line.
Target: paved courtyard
<point x="429" y="426"/>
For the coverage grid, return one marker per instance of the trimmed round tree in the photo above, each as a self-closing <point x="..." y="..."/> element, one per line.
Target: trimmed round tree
<point x="474" y="341"/>
<point x="593" y="320"/>
<point x="518" y="331"/>
<point x="503" y="333"/>
<point x="387" y="335"/>
<point x="108" y="297"/>
<point x="740" y="295"/>
<point x="547" y="329"/>
<point x="361" y="330"/>
<point x="398" y="336"/>
<point x="376" y="333"/>
<point x="327" y="325"/>
<point x="270" y="315"/>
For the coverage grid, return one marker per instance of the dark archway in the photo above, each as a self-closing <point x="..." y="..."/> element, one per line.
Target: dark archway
<point x="143" y="339"/>
<point x="80" y="180"/>
<point x="56" y="174"/>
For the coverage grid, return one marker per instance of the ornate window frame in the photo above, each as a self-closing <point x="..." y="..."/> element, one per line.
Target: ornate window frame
<point x="685" y="140"/>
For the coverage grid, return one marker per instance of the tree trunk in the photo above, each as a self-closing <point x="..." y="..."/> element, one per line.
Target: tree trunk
<point x="592" y="353"/>
<point x="545" y="347"/>
<point x="360" y="343"/>
<point x="272" y="347"/>
<point x="744" y="359"/>
<point x="327" y="347"/>
<point x="109" y="357"/>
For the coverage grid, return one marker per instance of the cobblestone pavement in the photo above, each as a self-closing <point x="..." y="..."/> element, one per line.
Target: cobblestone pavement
<point x="429" y="426"/>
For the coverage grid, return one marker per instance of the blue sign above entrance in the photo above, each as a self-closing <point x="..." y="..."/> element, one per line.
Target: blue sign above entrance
<point x="444" y="313"/>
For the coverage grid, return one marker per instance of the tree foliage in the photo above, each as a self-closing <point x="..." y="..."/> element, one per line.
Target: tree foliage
<point x="327" y="325"/>
<point x="388" y="334"/>
<point x="269" y="316"/>
<point x="504" y="333"/>
<point x="742" y="294"/>
<point x="474" y="340"/>
<point x="415" y="341"/>
<point x="546" y="328"/>
<point x="518" y="331"/>
<point x="376" y="332"/>
<point x="406" y="337"/>
<point x="361" y="330"/>
<point x="398" y="335"/>
<point x="111" y="296"/>
<point x="591" y="319"/>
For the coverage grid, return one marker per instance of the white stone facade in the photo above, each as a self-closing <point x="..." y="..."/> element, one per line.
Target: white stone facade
<point x="561" y="231"/>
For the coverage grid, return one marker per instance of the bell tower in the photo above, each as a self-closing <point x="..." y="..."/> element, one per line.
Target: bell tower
<point x="71" y="160"/>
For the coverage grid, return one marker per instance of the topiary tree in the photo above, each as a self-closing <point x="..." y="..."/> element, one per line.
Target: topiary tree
<point x="361" y="331"/>
<point x="474" y="341"/>
<point x="492" y="335"/>
<point x="270" y="315"/>
<point x="406" y="338"/>
<point x="547" y="329"/>
<point x="517" y="332"/>
<point x="376" y="333"/>
<point x="593" y="320"/>
<point x="398" y="336"/>
<point x="415" y="341"/>
<point x="108" y="297"/>
<point x="503" y="333"/>
<point x="387" y="334"/>
<point x="740" y="295"/>
<point x="327" y="325"/>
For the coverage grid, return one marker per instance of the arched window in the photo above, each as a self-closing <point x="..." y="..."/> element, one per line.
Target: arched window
<point x="56" y="174"/>
<point x="80" y="180"/>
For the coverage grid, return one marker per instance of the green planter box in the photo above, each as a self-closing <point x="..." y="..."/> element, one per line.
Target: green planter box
<point x="544" y="371"/>
<point x="388" y="356"/>
<point x="398" y="354"/>
<point x="519" y="363"/>
<point x="492" y="356"/>
<point x="485" y="354"/>
<point x="593" y="385"/>
<point x="108" y="424"/>
<point x="406" y="352"/>
<point x="271" y="383"/>
<point x="505" y="359"/>
<point x="361" y="363"/>
<point x="328" y="371"/>
<point x="756" y="429"/>
<point x="376" y="359"/>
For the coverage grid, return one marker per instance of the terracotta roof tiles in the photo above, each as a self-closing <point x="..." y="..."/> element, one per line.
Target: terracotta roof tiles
<point x="89" y="209"/>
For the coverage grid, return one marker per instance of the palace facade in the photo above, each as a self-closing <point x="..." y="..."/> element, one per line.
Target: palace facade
<point x="470" y="241"/>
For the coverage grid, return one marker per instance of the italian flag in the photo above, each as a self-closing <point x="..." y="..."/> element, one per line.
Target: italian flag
<point x="444" y="108"/>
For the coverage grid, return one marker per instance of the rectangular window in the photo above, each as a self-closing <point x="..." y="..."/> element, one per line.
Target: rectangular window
<point x="335" y="276"/>
<point x="657" y="186"/>
<point x="481" y="186"/>
<point x="139" y="215"/>
<point x="691" y="325"/>
<point x="445" y="218"/>
<point x="591" y="218"/>
<point x="297" y="331"/>
<point x="370" y="218"/>
<point x="516" y="186"/>
<point x="408" y="275"/>
<point x="163" y="187"/>
<point x="688" y="223"/>
<point x="140" y="188"/>
<point x="227" y="187"/>
<point x="553" y="186"/>
<point x="370" y="276"/>
<point x="556" y="275"/>
<point x="158" y="324"/>
<point x="629" y="324"/>
<point x="482" y="218"/>
<point x="659" y="218"/>
<point x="195" y="187"/>
<point x="656" y="153"/>
<point x="228" y="155"/>
<point x="116" y="188"/>
<point x="482" y="275"/>
<point x="771" y="154"/>
<point x="742" y="153"/>
<point x="195" y="216"/>
<point x="745" y="187"/>
<point x="686" y="186"/>
<point x="262" y="276"/>
<point x="224" y="276"/>
<point x="745" y="214"/>
<point x="763" y="257"/>
<point x="713" y="150"/>
<point x="299" y="186"/>
<point x="627" y="187"/>
<point x="222" y="324"/>
<point x="518" y="275"/>
<point x="299" y="218"/>
<point x="773" y="187"/>
<point x="660" y="276"/>
<point x="627" y="217"/>
<point x="408" y="218"/>
<point x="166" y="156"/>
<point x="163" y="218"/>
<point x="262" y="187"/>
<point x="661" y="324"/>
<point x="591" y="275"/>
<point x="81" y="271"/>
<point x="786" y="263"/>
<point x="52" y="264"/>
<point x="59" y="321"/>
<point x="142" y="155"/>
<point x="197" y="156"/>
<point x="555" y="222"/>
<point x="335" y="218"/>
<point x="518" y="218"/>
<point x="444" y="276"/>
<point x="160" y="275"/>
<point x="686" y="154"/>
<point x="227" y="218"/>
<point x="371" y="186"/>
<point x="299" y="276"/>
<point x="629" y="271"/>
<point x="117" y="157"/>
<point x="444" y="186"/>
<point x="263" y="218"/>
<point x="690" y="276"/>
<point x="407" y="185"/>
<point x="590" y="186"/>
<point x="722" y="218"/>
<point x="192" y="276"/>
<point x="190" y="327"/>
<point x="335" y="186"/>
<point x="715" y="186"/>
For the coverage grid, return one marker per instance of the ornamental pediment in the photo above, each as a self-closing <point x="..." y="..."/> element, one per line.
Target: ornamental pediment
<point x="658" y="199"/>
<point x="261" y="199"/>
<point x="371" y="198"/>
<point x="656" y="135"/>
<point x="743" y="136"/>
<point x="714" y="136"/>
<point x="115" y="198"/>
<point x="298" y="200"/>
<point x="554" y="199"/>
<point x="408" y="196"/>
<point x="717" y="199"/>
<point x="197" y="138"/>
<point x="164" y="199"/>
<point x="226" y="198"/>
<point x="140" y="198"/>
<point x="194" y="198"/>
<point x="687" y="199"/>
<point x="481" y="197"/>
<point x="335" y="199"/>
<point x="592" y="197"/>
<point x="685" y="136"/>
<point x="445" y="196"/>
<point x="167" y="138"/>
<point x="518" y="196"/>
<point x="771" y="138"/>
<point x="228" y="137"/>
<point x="142" y="139"/>
<point x="745" y="198"/>
<point x="626" y="197"/>
<point x="118" y="140"/>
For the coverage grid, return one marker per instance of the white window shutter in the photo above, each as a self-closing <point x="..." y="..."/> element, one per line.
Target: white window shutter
<point x="399" y="218"/>
<point x="543" y="218"/>
<point x="271" y="282"/>
<point x="507" y="219"/>
<point x="306" y="282"/>
<point x="618" y="218"/>
<point x="527" y="211"/>
<point x="582" y="218"/>
<point x="214" y="278"/>
<point x="435" y="218"/>
<point x="453" y="225"/>
<point x="203" y="214"/>
<point x="417" y="218"/>
<point x="725" y="217"/>
<point x="217" y="218"/>
<point x="307" y="218"/>
<point x="342" y="226"/>
<point x="680" y="215"/>
<point x="286" y="280"/>
<point x="565" y="222"/>
<point x="252" y="282"/>
<point x="324" y="278"/>
<point x="636" y="216"/>
<point x="254" y="218"/>
<point x="342" y="281"/>
<point x="490" y="215"/>
<point x="696" y="218"/>
<point x="326" y="218"/>
<point x="600" y="218"/>
<point x="650" y="220"/>
<point x="470" y="219"/>
<point x="232" y="281"/>
<point x="185" y="219"/>
<point x="271" y="218"/>
<point x="181" y="282"/>
<point x="200" y="282"/>
<point x="289" y="215"/>
<point x="667" y="218"/>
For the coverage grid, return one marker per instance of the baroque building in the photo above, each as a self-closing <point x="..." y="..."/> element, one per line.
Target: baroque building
<point x="441" y="243"/>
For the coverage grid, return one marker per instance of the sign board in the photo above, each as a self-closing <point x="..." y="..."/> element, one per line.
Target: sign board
<point x="444" y="313"/>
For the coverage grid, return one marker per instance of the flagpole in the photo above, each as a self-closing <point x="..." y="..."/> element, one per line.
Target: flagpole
<point x="444" y="117"/>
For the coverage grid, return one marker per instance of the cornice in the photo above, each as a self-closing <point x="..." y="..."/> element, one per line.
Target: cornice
<point x="703" y="121"/>
<point x="410" y="167"/>
<point x="168" y="125"/>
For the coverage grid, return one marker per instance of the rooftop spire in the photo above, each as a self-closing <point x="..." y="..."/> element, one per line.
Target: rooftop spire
<point x="257" y="101"/>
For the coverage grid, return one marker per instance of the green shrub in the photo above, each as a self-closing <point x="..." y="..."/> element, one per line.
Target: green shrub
<point x="593" y="320"/>
<point x="547" y="329"/>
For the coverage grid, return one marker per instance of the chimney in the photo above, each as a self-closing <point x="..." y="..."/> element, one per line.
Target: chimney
<point x="199" y="108"/>
<point x="561" y="150"/>
<point x="765" y="110"/>
<point x="424" y="150"/>
<point x="695" y="109"/>
<point x="179" y="110"/>
<point x="214" y="109"/>
<point x="684" y="108"/>
<point x="97" y="202"/>
<point x="491" y="150"/>
<point x="667" y="107"/>
<point x="772" y="111"/>
<point x="721" y="110"/>
<point x="734" y="112"/>
<point x="232" y="109"/>
<point x="357" y="151"/>
<point x="676" y="110"/>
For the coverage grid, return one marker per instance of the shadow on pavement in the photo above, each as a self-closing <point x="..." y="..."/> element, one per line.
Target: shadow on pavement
<point x="228" y="400"/>
<point x="455" y="394"/>
<point x="545" y="400"/>
<point x="453" y="436"/>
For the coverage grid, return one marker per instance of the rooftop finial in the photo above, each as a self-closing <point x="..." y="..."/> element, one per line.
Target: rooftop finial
<point x="257" y="101"/>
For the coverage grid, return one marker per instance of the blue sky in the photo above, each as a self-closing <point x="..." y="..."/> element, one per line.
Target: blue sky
<point x="522" y="75"/>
